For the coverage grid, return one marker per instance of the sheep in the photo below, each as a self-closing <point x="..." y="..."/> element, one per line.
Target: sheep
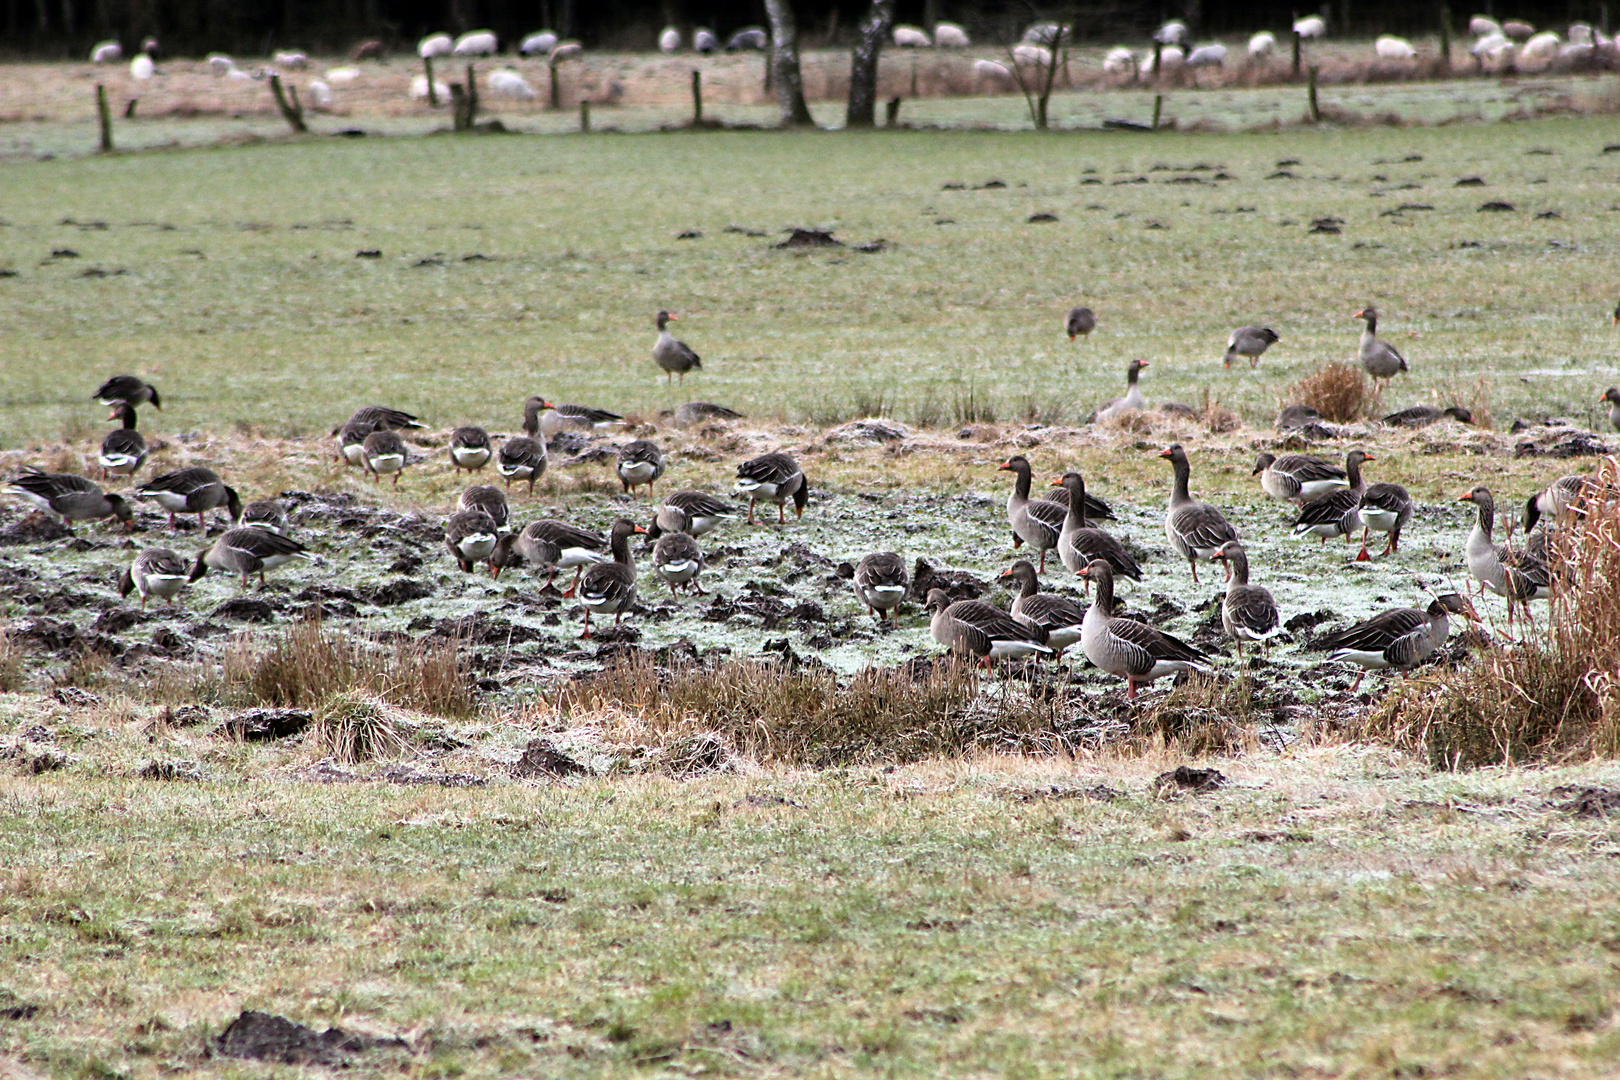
<point x="320" y="95"/>
<point x="753" y="38"/>
<point x="242" y="76"/>
<point x="1262" y="45"/>
<point x="419" y="89"/>
<point x="475" y="43"/>
<point x="142" y="68"/>
<point x="538" y="44"/>
<point x="1517" y="30"/>
<point x="1580" y="34"/>
<point x="342" y="76"/>
<point x="1493" y="47"/>
<point x="220" y="64"/>
<point x="989" y="70"/>
<point x="950" y="36"/>
<point x="434" y="45"/>
<point x="1207" y="56"/>
<point x="292" y="61"/>
<point x="1390" y="47"/>
<point x="1539" y="51"/>
<point x="1173" y="32"/>
<point x="151" y="48"/>
<point x="909" y="37"/>
<point x="565" y="51"/>
<point x="1120" y="61"/>
<point x="108" y="52"/>
<point x="670" y="40"/>
<point x="1170" y="57"/>
<point x="368" y="50"/>
<point x="1038" y="55"/>
<point x="508" y="83"/>
<point x="1311" y="26"/>
<point x="1483" y="26"/>
<point x="705" y="42"/>
<point x="1043" y="34"/>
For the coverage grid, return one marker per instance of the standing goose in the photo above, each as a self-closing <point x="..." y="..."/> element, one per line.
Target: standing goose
<point x="555" y="418"/>
<point x="675" y="357"/>
<point x="470" y="448"/>
<point x="1384" y="508"/>
<point x="692" y="512"/>
<point x="609" y="588"/>
<point x="1576" y="495"/>
<point x="978" y="629"/>
<point x="776" y="478"/>
<point x="382" y="418"/>
<point x="127" y="388"/>
<point x="1419" y="416"/>
<point x="1196" y="530"/>
<point x="156" y="572"/>
<point x="523" y="457"/>
<point x="1250" y="341"/>
<point x="1133" y="398"/>
<point x="1059" y="616"/>
<point x="247" y="551"/>
<point x="1081" y="322"/>
<point x="1337" y="513"/>
<point x="491" y="500"/>
<point x="384" y="451"/>
<point x="1248" y="612"/>
<point x="194" y="490"/>
<point x="1134" y="651"/>
<point x="351" y="439"/>
<point x="880" y="582"/>
<point x="1612" y="396"/>
<point x="123" y="451"/>
<point x="1377" y="356"/>
<point x="266" y="514"/>
<point x="678" y="560"/>
<point x="1034" y="522"/>
<point x="640" y="462"/>
<point x="549" y="545"/>
<point x="470" y="536"/>
<point x="1398" y="638"/>
<point x="72" y="498"/>
<point x="1095" y="507"/>
<point x="1518" y="576"/>
<point x="1078" y="543"/>
<point x="1298" y="478"/>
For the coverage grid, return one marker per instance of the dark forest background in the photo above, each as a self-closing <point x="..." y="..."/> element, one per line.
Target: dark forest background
<point x="67" y="28"/>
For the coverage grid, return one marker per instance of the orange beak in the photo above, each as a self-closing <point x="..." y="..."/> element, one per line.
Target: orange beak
<point x="1368" y="457"/>
<point x="1084" y="571"/>
<point x="1005" y="465"/>
<point x="1221" y="555"/>
<point x="1057" y="482"/>
<point x="1466" y="497"/>
<point x="1005" y="574"/>
<point x="1164" y="453"/>
<point x="673" y="318"/>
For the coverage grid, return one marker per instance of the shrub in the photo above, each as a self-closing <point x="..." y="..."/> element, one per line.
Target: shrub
<point x="1338" y="391"/>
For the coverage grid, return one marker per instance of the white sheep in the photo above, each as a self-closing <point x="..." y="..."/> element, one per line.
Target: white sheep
<point x="320" y="94"/>
<point x="752" y="38"/>
<point x="1170" y="57"/>
<point x="950" y="36"/>
<point x="705" y="42"/>
<point x="1518" y="30"/>
<point x="1120" y="61"/>
<point x="1173" y="32"/>
<point x="1493" y="47"/>
<point x="1539" y="51"/>
<point x="434" y="45"/>
<point x="292" y="61"/>
<point x="1042" y="33"/>
<point x="1483" y="26"/>
<point x="1207" y="56"/>
<point x="538" y="44"/>
<point x="508" y="83"/>
<point x="243" y="76"/>
<point x="991" y="71"/>
<point x="670" y="40"/>
<point x="220" y="64"/>
<point x="475" y="43"/>
<point x="1262" y="45"/>
<point x="142" y="68"/>
<point x="1311" y="26"/>
<point x="1580" y="34"/>
<point x="108" y="52"/>
<point x="565" y="51"/>
<point x="342" y="76"/>
<point x="419" y="89"/>
<point x="1390" y="47"/>
<point x="910" y="37"/>
<point x="1037" y="55"/>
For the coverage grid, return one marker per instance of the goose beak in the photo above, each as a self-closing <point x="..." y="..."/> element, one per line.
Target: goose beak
<point x="1084" y="571"/>
<point x="1368" y="457"/>
<point x="1467" y="496"/>
<point x="1057" y="481"/>
<point x="640" y="529"/>
<point x="1362" y="314"/>
<point x="1164" y="453"/>
<point x="1005" y="574"/>
<point x="1005" y="466"/>
<point x="1219" y="555"/>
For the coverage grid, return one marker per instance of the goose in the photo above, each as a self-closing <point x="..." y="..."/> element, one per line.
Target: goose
<point x="610" y="587"/>
<point x="491" y="500"/>
<point x="381" y="418"/>
<point x="1398" y="638"/>
<point x="1612" y="396"/>
<point x="1378" y="356"/>
<point x="155" y="572"/>
<point x="1297" y="478"/>
<point x="1250" y="341"/>
<point x="640" y="462"/>
<point x="880" y="582"/>
<point x="72" y="498"/>
<point x="470" y="535"/>
<point x="1034" y="522"/>
<point x="1133" y="398"/>
<point x="777" y="478"/>
<point x="1297" y="416"/>
<point x="678" y="560"/>
<point x="1384" y="508"/>
<point x="1078" y="544"/>
<point x="1517" y="576"/>
<point x="266" y="514"/>
<point x="1337" y="513"/>
<point x="1081" y="322"/>
<point x="976" y="628"/>
<point x="675" y="357"/>
<point x="1248" y="612"/>
<point x="1134" y="651"/>
<point x="694" y="413"/>
<point x="384" y="451"/>
<point x="1095" y="507"/>
<point x="523" y="457"/>
<point x="127" y="388"/>
<point x="247" y="551"/>
<point x="1423" y="415"/>
<point x="555" y="418"/>
<point x="351" y="437"/>
<point x="194" y="490"/>
<point x="552" y="545"/>
<point x="692" y="512"/>
<point x="470" y="448"/>
<point x="1196" y="530"/>
<point x="123" y="451"/>
<point x="1575" y="494"/>
<point x="1058" y="616"/>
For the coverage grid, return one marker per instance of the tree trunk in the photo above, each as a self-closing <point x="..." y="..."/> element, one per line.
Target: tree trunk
<point x="863" y="65"/>
<point x="785" y="61"/>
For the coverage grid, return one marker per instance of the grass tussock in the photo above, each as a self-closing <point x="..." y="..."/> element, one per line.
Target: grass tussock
<point x="13" y="674"/>
<point x="1473" y="395"/>
<point x="1201" y="717"/>
<point x="1338" y="391"/>
<point x="351" y="728"/>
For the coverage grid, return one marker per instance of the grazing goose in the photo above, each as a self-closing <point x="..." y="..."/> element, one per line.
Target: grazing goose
<point x="382" y="418"/>
<point x="1398" y="638"/>
<point x="1078" y="543"/>
<point x="675" y="357"/>
<point x="1573" y="494"/>
<point x="127" y="388"/>
<point x="123" y="451"/>
<point x="694" y="413"/>
<point x="1196" y="530"/>
<point x="1297" y="478"/>
<point x="72" y="498"/>
<point x="1134" y="651"/>
<point x="1419" y="416"/>
<point x="552" y="544"/>
<point x="470" y="536"/>
<point x="978" y="629"/>
<point x="640" y="462"/>
<point x="1378" y="356"/>
<point x="1248" y="612"/>
<point x="266" y="514"/>
<point x="1612" y="396"/>
<point x="880" y="582"/>
<point x="1297" y="416"/>
<point x="1095" y="507"/>
<point x="1058" y="616"/>
<point x="1133" y="398"/>
<point x="523" y="457"/>
<point x="1384" y="508"/>
<point x="470" y="448"/>
<point x="776" y="478"/>
<point x="1517" y="576"/>
<point x="351" y="438"/>
<point x="1250" y="341"/>
<point x="491" y="500"/>
<point x="195" y="490"/>
<point x="692" y="512"/>
<point x="156" y="572"/>
<point x="1339" y="512"/>
<point x="610" y="587"/>
<point x="678" y="560"/>
<point x="1034" y="522"/>
<point x="1081" y="322"/>
<point x="565" y="417"/>
<point x="384" y="452"/>
<point x="247" y="551"/>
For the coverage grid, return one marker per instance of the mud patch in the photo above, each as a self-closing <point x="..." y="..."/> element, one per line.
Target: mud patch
<point x="265" y="725"/>
<point x="1585" y="802"/>
<point x="1184" y="779"/>
<point x="37" y="528"/>
<point x="258" y="1036"/>
<point x="542" y="760"/>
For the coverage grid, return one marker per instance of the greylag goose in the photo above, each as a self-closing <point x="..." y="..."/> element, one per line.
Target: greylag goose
<point x="553" y="545"/>
<point x="266" y="514"/>
<point x="1397" y="638"/>
<point x="694" y="413"/>
<point x="123" y="451"/>
<point x="1034" y="522"/>
<point x="1248" y="612"/>
<point x="1297" y="478"/>
<point x="382" y="418"/>
<point x="1517" y="576"/>
<point x="692" y="512"/>
<point x="565" y="417"/>
<point x="1384" y="508"/>
<point x="1078" y="543"/>
<point x="880" y="582"/>
<point x="384" y="451"/>
<point x="1575" y="495"/>
<point x="1339" y="512"/>
<point x="470" y="448"/>
<point x="609" y="588"/>
<point x="776" y="478"/>
<point x="1134" y="651"/>
<point x="127" y="388"/>
<point x="1292" y="417"/>
<point x="491" y="500"/>
<point x="678" y="560"/>
<point x="1059" y="616"/>
<point x="1419" y="416"/>
<point x="1377" y="356"/>
<point x="247" y="551"/>
<point x="523" y="457"/>
<point x="156" y="572"/>
<point x="351" y="437"/>
<point x="1612" y="396"/>
<point x="1133" y="398"/>
<point x="675" y="357"/>
<point x="1095" y="507"/>
<point x="72" y="498"/>
<point x="1250" y="341"/>
<point x="470" y="536"/>
<point x="1081" y="322"/>
<point x="640" y="462"/>
<point x="978" y="629"/>
<point x="194" y="490"/>
<point x="1196" y="530"/>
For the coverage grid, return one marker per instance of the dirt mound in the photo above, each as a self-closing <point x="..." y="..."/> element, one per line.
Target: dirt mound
<point x="259" y="1036"/>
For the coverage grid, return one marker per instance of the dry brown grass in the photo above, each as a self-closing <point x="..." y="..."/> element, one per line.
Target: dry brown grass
<point x="352" y="727"/>
<point x="13" y="675"/>
<point x="1201" y="717"/>
<point x="1338" y="391"/>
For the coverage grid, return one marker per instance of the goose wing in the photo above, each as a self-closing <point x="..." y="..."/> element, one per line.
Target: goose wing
<point x="1154" y="643"/>
<point x="1307" y="469"/>
<point x="565" y="535"/>
<point x="1201" y="526"/>
<point x="1099" y="544"/>
<point x="1052" y="611"/>
<point x="701" y="504"/>
<point x="881" y="568"/>
<point x="1334" y="509"/>
<point x="768" y="469"/>
<point x="1252" y="608"/>
<point x="183" y="482"/>
<point x="1378" y="633"/>
<point x="993" y="623"/>
<point x="609" y="583"/>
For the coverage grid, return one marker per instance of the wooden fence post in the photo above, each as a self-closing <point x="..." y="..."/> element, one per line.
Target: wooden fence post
<point x="556" y="88"/>
<point x="292" y="113"/>
<point x="1310" y="94"/>
<point x="1158" y="109"/>
<point x="891" y="112"/>
<point x="697" y="96"/>
<point x="584" y="116"/>
<point x="433" y="95"/>
<point x="106" y="118"/>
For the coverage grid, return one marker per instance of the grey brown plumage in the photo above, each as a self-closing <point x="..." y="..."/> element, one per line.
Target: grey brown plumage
<point x="123" y="451"/>
<point x="609" y="588"/>
<point x="693" y="512"/>
<point x="678" y="560"/>
<point x="1575" y="496"/>
<point x="1081" y="322"/>
<point x="470" y="536"/>
<point x="1612" y="396"/>
<point x="1423" y="415"/>
<point x="696" y="412"/>
<point x="640" y="462"/>
<point x="974" y="628"/>
<point x="1338" y="512"/>
<point x="1378" y="357"/>
<point x="523" y="457"/>
<point x="247" y="551"/>
<point x="1248" y="612"/>
<point x="1034" y="521"/>
<point x="674" y="357"/>
<point x="1518" y="576"/>
<point x="1132" y="650"/>
<point x="1397" y="638"/>
<point x="1196" y="530"/>
<point x="774" y="477"/>
<point x="1291" y="417"/>
<point x="880" y="582"/>
<point x="266" y="514"/>
<point x="127" y="388"/>
<point x="193" y="490"/>
<point x="384" y="451"/>
<point x="72" y="498"/>
<point x="155" y="572"/>
<point x="1384" y="508"/>
<point x="1133" y="399"/>
<point x="1058" y="616"/>
<point x="555" y="418"/>
<point x="491" y="500"/>
<point x="470" y="448"/>
<point x="550" y="545"/>
<point x="1250" y="341"/>
<point x="383" y="418"/>
<point x="350" y="438"/>
<point x="1096" y="509"/>
<point x="1298" y="478"/>
<point x="1079" y="543"/>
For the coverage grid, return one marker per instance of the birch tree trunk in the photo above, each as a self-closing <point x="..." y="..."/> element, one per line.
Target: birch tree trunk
<point x="863" y="65"/>
<point x="785" y="64"/>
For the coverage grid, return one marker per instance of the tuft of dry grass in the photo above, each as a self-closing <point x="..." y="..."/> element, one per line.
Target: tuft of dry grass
<point x="1203" y="716"/>
<point x="1473" y="395"/>
<point x="1338" y="391"/>
<point x="13" y="674"/>
<point x="351" y="727"/>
